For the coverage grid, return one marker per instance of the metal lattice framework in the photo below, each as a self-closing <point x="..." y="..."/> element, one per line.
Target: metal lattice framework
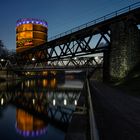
<point x="71" y="63"/>
<point x="70" y="48"/>
<point x="90" y="38"/>
<point x="76" y="63"/>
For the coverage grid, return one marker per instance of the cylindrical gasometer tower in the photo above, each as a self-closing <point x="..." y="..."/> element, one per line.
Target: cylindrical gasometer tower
<point x="30" y="32"/>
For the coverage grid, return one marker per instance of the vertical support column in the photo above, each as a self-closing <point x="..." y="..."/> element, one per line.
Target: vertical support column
<point x="125" y="48"/>
<point x="106" y="66"/>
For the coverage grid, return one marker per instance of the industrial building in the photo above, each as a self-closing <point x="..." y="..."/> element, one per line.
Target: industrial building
<point x="30" y="32"/>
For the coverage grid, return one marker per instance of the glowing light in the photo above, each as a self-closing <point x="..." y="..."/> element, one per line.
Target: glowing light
<point x="75" y="102"/>
<point x="45" y="83"/>
<point x="33" y="100"/>
<point x="28" y="83"/>
<point x="28" y="73"/>
<point x="45" y="72"/>
<point x="25" y="124"/>
<point x="28" y="43"/>
<point x="96" y="58"/>
<point x="75" y="58"/>
<point x="33" y="59"/>
<point x="31" y="20"/>
<point x="2" y="101"/>
<point x="2" y="60"/>
<point x="53" y="83"/>
<point x="65" y="102"/>
<point x="26" y="29"/>
<point x="53" y="72"/>
<point x="54" y="102"/>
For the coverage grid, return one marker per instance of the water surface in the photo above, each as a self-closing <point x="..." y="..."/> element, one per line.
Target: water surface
<point x="37" y="109"/>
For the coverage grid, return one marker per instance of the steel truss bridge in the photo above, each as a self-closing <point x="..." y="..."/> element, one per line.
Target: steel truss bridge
<point x="91" y="38"/>
<point x="63" y="64"/>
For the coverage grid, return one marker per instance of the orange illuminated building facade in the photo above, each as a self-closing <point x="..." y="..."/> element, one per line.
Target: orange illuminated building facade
<point x="30" y="33"/>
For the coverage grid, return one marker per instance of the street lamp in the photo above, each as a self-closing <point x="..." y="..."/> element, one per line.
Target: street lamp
<point x="2" y="60"/>
<point x="96" y="58"/>
<point x="33" y="59"/>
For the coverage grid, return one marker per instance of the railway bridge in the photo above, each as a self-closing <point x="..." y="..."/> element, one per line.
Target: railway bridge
<point x="115" y="37"/>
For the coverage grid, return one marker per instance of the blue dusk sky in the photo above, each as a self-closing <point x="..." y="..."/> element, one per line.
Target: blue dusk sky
<point x="61" y="15"/>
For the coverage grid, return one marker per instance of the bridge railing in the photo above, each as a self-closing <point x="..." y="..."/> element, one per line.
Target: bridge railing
<point x="98" y="20"/>
<point x="94" y="134"/>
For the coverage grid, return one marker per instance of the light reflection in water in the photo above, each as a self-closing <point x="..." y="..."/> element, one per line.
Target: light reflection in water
<point x="2" y="101"/>
<point x="53" y="83"/>
<point x="33" y="100"/>
<point x="28" y="83"/>
<point x="65" y="102"/>
<point x="54" y="102"/>
<point x="28" y="125"/>
<point x="45" y="82"/>
<point x="40" y="83"/>
<point x="37" y="96"/>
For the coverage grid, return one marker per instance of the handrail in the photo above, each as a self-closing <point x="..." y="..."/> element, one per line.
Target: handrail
<point x="98" y="20"/>
<point x="93" y="128"/>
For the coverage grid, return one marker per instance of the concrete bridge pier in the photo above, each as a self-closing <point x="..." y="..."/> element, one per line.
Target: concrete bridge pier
<point x="124" y="52"/>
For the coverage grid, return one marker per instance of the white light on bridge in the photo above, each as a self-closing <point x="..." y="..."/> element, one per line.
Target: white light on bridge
<point x="96" y="57"/>
<point x="65" y="102"/>
<point x="2" y="101"/>
<point x="2" y="60"/>
<point x="33" y="59"/>
<point x="75" y="102"/>
<point x="54" y="102"/>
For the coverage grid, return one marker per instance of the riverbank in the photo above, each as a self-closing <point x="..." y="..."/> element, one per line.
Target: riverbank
<point x="79" y="127"/>
<point x="117" y="107"/>
<point x="116" y="113"/>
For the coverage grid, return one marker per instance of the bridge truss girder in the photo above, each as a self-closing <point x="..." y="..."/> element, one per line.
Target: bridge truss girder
<point x="76" y="63"/>
<point x="70" y="47"/>
<point x="72" y="63"/>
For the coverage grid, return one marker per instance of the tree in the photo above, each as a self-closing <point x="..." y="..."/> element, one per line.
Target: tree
<point x="3" y="49"/>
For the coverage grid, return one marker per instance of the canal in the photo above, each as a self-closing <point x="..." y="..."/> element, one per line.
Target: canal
<point x="38" y="109"/>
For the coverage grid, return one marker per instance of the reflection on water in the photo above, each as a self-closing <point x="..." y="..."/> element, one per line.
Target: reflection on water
<point x="40" y="83"/>
<point x="2" y="101"/>
<point x="28" y="125"/>
<point x="41" y="108"/>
